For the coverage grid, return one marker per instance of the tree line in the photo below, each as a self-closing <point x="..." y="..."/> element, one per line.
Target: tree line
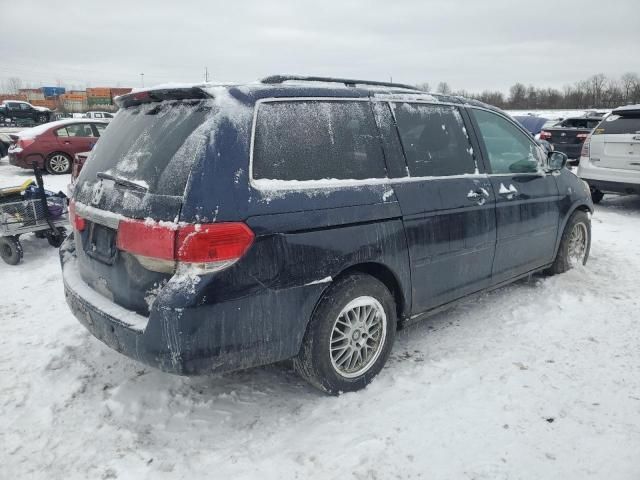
<point x="597" y="91"/>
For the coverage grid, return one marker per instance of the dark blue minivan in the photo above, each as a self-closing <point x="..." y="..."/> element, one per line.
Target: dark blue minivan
<point x="306" y="218"/>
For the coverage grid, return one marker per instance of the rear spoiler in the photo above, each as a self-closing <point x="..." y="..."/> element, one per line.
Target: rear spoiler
<point x="159" y="95"/>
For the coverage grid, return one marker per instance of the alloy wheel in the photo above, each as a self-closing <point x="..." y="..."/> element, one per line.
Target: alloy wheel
<point x="59" y="163"/>
<point x="577" y="244"/>
<point x="358" y="336"/>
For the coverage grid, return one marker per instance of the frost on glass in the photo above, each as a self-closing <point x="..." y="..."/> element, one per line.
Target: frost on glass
<point x="316" y="140"/>
<point x="434" y="140"/>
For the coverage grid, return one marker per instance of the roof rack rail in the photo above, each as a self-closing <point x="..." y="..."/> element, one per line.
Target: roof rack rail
<point x="349" y="82"/>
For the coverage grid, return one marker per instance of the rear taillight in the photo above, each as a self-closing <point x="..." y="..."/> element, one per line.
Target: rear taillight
<point x="544" y="135"/>
<point x="203" y="248"/>
<point x="25" y="142"/>
<point x="582" y="136"/>
<point x="586" y="147"/>
<point x="76" y="221"/>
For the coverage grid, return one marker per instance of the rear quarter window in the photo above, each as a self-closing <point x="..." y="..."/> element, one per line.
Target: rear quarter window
<point x="618" y="124"/>
<point x="316" y="140"/>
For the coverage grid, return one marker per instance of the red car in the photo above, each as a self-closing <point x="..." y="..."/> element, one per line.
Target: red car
<point x="52" y="146"/>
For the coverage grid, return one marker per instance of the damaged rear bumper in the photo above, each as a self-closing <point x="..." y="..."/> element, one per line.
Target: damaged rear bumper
<point x="257" y="330"/>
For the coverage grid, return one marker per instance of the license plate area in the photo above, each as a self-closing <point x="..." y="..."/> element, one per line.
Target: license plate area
<point x="102" y="243"/>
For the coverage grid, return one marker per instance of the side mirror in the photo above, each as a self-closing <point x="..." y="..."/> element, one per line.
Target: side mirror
<point x="556" y="161"/>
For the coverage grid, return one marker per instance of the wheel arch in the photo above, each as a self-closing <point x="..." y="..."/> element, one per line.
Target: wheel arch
<point x="388" y="278"/>
<point x="579" y="205"/>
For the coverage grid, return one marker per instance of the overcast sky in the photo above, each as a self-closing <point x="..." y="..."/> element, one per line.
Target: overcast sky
<point x="473" y="45"/>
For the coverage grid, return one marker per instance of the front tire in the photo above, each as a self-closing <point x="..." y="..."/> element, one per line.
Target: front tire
<point x="575" y="243"/>
<point x="42" y="119"/>
<point x="350" y="335"/>
<point x="58" y="163"/>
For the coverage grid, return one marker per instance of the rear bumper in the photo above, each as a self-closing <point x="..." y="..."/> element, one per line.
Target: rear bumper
<point x="609" y="180"/>
<point x="571" y="150"/>
<point x="263" y="328"/>
<point x="23" y="160"/>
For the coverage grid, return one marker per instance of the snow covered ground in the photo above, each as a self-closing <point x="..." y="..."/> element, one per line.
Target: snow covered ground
<point x="539" y="380"/>
<point x="555" y="114"/>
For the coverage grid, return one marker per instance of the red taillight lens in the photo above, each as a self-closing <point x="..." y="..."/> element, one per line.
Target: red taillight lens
<point x="25" y="142"/>
<point x="76" y="221"/>
<point x="582" y="136"/>
<point x="148" y="239"/>
<point x="544" y="135"/>
<point x="213" y="242"/>
<point x="212" y="246"/>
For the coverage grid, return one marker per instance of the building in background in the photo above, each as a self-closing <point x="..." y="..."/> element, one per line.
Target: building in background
<point x="74" y="101"/>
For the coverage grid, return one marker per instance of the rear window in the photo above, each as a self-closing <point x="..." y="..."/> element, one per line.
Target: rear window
<point x="315" y="140"/>
<point x="617" y="124"/>
<point x="154" y="144"/>
<point x="580" y="123"/>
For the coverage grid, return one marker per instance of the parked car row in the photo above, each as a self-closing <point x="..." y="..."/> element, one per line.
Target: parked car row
<point x="310" y="220"/>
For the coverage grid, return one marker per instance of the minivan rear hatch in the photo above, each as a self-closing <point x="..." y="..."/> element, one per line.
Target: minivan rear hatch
<point x="620" y="142"/>
<point x="138" y="170"/>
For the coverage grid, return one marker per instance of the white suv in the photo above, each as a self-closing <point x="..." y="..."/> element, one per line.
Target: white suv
<point x="106" y="116"/>
<point x="610" y="158"/>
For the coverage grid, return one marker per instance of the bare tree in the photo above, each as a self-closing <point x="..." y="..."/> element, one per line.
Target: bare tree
<point x="12" y="85"/>
<point x="629" y="83"/>
<point x="444" y="88"/>
<point x="424" y="86"/>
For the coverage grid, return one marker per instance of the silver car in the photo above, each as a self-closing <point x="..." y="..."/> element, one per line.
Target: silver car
<point x="610" y="158"/>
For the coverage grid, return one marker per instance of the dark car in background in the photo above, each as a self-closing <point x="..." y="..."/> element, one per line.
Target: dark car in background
<point x="52" y="146"/>
<point x="19" y="112"/>
<point x="224" y="227"/>
<point x="568" y="135"/>
<point x="532" y="123"/>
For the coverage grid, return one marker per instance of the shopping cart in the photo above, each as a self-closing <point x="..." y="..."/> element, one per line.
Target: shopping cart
<point x="29" y="208"/>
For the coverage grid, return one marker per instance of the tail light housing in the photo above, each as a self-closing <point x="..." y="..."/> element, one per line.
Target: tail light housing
<point x="582" y="136"/>
<point x="25" y="142"/>
<point x="544" y="135"/>
<point x="586" y="147"/>
<point x="76" y="221"/>
<point x="200" y="248"/>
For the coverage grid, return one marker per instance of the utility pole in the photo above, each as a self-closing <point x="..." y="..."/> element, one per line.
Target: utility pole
<point x="206" y="75"/>
<point x="142" y="77"/>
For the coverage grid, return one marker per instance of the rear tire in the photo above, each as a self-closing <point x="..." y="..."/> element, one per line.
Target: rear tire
<point x="596" y="195"/>
<point x="42" y="119"/>
<point x="58" y="163"/>
<point x="575" y="243"/>
<point x="349" y="336"/>
<point x="10" y="250"/>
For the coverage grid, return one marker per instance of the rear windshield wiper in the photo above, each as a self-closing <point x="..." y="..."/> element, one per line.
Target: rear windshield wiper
<point x="122" y="181"/>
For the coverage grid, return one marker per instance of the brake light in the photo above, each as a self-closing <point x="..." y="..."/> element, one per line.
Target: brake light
<point x="204" y="248"/>
<point x="586" y="147"/>
<point x="582" y="136"/>
<point x="25" y="142"/>
<point x="76" y="221"/>
<point x="544" y="135"/>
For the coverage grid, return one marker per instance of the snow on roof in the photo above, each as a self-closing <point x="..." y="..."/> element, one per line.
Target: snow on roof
<point x="627" y="108"/>
<point x="45" y="127"/>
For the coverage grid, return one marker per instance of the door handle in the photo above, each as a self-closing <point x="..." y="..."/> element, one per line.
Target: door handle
<point x="478" y="196"/>
<point x="67" y="142"/>
<point x="510" y="192"/>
